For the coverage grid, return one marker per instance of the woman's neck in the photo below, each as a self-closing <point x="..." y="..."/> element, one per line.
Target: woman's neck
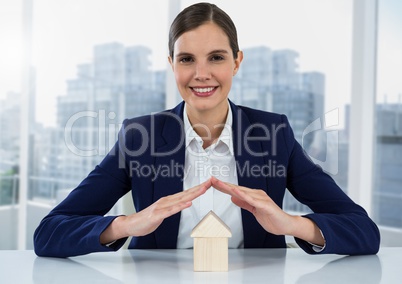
<point x="208" y="124"/>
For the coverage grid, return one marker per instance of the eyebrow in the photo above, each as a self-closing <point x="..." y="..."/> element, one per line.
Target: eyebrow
<point x="209" y="53"/>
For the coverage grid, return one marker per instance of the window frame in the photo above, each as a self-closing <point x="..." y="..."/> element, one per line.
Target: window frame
<point x="363" y="99"/>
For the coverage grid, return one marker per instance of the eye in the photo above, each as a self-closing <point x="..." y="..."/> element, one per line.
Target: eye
<point x="217" y="58"/>
<point x="186" y="59"/>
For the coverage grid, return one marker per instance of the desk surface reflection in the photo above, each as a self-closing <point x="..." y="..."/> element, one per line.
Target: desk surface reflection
<point x="176" y="266"/>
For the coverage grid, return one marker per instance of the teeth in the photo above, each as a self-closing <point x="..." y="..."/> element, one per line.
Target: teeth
<point x="203" y="90"/>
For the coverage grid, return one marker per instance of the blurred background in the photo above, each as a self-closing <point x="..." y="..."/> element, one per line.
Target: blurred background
<point x="71" y="71"/>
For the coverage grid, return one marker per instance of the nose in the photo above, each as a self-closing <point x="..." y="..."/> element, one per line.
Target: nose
<point x="202" y="71"/>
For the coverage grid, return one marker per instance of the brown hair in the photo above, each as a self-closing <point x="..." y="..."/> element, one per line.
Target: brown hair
<point x="194" y="16"/>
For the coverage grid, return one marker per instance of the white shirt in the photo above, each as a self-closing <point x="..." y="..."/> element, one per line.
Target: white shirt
<point x="217" y="160"/>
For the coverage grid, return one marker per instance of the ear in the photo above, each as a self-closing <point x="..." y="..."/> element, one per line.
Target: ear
<point x="237" y="62"/>
<point x="170" y="59"/>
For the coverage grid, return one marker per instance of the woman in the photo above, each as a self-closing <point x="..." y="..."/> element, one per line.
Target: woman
<point x="206" y="154"/>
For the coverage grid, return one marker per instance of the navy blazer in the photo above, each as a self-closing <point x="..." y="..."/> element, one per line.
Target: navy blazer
<point x="148" y="159"/>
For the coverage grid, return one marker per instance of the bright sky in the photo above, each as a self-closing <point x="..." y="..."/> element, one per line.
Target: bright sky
<point x="66" y="31"/>
<point x="389" y="79"/>
<point x="10" y="46"/>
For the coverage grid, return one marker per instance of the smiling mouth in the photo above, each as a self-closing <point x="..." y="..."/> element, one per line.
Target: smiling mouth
<point x="204" y="92"/>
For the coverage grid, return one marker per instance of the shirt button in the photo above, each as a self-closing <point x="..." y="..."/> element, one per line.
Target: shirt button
<point x="206" y="159"/>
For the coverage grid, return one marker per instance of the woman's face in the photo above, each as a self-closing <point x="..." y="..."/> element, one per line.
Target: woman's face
<point x="204" y="66"/>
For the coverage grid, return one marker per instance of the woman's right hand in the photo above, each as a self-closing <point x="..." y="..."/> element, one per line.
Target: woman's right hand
<point x="148" y="220"/>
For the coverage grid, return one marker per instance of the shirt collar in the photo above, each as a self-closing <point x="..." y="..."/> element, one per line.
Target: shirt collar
<point x="225" y="136"/>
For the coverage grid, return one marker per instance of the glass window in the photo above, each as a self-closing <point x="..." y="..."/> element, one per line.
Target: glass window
<point x="387" y="194"/>
<point x="10" y="95"/>
<point x="10" y="78"/>
<point x="95" y="63"/>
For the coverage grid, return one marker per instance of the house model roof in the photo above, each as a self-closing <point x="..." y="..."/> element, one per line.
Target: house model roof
<point x="211" y="226"/>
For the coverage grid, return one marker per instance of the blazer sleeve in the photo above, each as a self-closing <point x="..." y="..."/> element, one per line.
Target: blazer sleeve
<point x="346" y="227"/>
<point x="74" y="226"/>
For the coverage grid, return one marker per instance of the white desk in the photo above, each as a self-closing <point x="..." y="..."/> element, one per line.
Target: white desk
<point x="176" y="266"/>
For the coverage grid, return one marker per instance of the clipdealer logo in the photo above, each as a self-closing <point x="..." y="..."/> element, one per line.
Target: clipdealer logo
<point x="326" y="156"/>
<point x="174" y="169"/>
<point x="101" y="137"/>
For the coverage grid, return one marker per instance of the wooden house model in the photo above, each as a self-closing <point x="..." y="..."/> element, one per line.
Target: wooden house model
<point x="211" y="244"/>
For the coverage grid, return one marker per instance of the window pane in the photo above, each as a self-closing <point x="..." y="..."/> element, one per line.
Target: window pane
<point x="94" y="65"/>
<point x="94" y="71"/>
<point x="10" y="94"/>
<point x="387" y="195"/>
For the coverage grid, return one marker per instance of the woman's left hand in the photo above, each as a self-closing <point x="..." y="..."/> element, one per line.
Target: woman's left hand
<point x="269" y="215"/>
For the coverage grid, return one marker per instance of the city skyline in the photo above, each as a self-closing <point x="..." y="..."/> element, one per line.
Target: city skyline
<point x="57" y="51"/>
<point x="390" y="42"/>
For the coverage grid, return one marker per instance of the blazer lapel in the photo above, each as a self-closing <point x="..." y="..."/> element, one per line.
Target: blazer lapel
<point x="245" y="153"/>
<point x="169" y="160"/>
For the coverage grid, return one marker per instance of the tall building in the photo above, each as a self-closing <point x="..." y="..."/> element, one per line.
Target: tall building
<point x="10" y="116"/>
<point x="252" y="85"/>
<point x="298" y="95"/>
<point x="270" y="80"/>
<point x="10" y="112"/>
<point x="144" y="89"/>
<point x="10" y="140"/>
<point x="387" y="192"/>
<point x="47" y="161"/>
<point x="117" y="84"/>
<point x="285" y="70"/>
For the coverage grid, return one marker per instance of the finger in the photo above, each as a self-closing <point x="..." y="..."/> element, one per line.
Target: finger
<point x="254" y="201"/>
<point x="186" y="195"/>
<point x="173" y="209"/>
<point x="221" y="183"/>
<point x="227" y="187"/>
<point x="196" y="191"/>
<point x="216" y="181"/>
<point x="160" y="212"/>
<point x="233" y="190"/>
<point x="243" y="204"/>
<point x="201" y="187"/>
<point x="222" y="186"/>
